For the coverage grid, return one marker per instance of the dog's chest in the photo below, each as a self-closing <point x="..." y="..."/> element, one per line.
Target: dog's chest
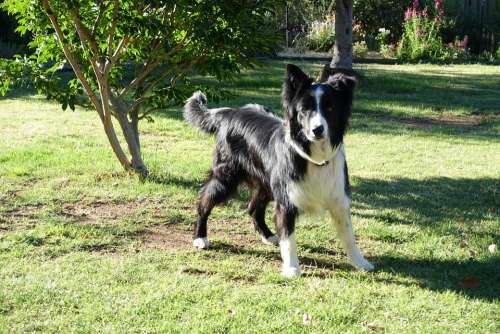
<point x="321" y="187"/>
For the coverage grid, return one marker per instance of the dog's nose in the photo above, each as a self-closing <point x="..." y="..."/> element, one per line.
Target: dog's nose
<point x="318" y="131"/>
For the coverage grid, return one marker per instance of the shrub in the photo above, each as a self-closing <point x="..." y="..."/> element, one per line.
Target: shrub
<point x="421" y="39"/>
<point x="373" y="14"/>
<point x="359" y="49"/>
<point x="388" y="50"/>
<point x="457" y="49"/>
<point x="321" y="35"/>
<point x="383" y="39"/>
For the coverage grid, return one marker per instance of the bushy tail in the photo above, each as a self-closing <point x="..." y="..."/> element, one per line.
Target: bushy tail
<point x="197" y="114"/>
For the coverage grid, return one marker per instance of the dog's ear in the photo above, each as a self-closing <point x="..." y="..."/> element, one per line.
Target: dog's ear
<point x="343" y="82"/>
<point x="295" y="81"/>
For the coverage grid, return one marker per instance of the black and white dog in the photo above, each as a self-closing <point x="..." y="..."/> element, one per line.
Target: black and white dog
<point x="298" y="162"/>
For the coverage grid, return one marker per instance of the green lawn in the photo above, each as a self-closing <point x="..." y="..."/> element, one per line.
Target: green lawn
<point x="86" y="248"/>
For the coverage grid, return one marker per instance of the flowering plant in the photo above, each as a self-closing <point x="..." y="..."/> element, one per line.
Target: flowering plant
<point x="421" y="39"/>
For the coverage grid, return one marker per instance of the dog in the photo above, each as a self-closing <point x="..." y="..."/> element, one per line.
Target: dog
<point x="297" y="161"/>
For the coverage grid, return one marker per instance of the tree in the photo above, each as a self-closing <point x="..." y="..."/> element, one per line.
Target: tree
<point x="133" y="57"/>
<point x="342" y="57"/>
<point x="342" y="54"/>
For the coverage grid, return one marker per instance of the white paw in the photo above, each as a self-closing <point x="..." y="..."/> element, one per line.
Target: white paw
<point x="290" y="272"/>
<point x="362" y="264"/>
<point x="272" y="240"/>
<point x="200" y="243"/>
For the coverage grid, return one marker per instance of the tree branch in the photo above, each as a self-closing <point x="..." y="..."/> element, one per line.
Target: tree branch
<point x="162" y="76"/>
<point x="112" y="30"/>
<point x="72" y="59"/>
<point x="99" y="18"/>
<point x="184" y="67"/>
<point x="151" y="65"/>
<point x="138" y="102"/>
<point x="85" y="34"/>
<point x="121" y="45"/>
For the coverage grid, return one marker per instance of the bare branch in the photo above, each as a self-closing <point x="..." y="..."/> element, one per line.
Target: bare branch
<point x="84" y="33"/>
<point x="72" y="59"/>
<point x="138" y="102"/>
<point x="152" y="64"/>
<point x="102" y="8"/>
<point x="159" y="78"/>
<point x="112" y="30"/>
<point x="148" y="112"/>
<point x="184" y="67"/>
<point x="121" y="45"/>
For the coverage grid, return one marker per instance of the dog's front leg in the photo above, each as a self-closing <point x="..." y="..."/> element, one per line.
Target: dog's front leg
<point x="285" y="224"/>
<point x="341" y="216"/>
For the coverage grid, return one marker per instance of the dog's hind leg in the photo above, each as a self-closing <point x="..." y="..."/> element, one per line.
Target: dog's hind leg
<point x="342" y="219"/>
<point x="257" y="209"/>
<point x="221" y="184"/>
<point x="285" y="223"/>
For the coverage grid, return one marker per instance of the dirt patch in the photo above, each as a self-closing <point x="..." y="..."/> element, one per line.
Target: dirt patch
<point x="26" y="215"/>
<point x="180" y="237"/>
<point x="16" y="189"/>
<point x="96" y="212"/>
<point x="167" y="237"/>
<point x="445" y="120"/>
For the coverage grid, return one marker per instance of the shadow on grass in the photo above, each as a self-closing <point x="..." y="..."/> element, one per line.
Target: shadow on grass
<point x="475" y="279"/>
<point x="436" y="90"/>
<point x="273" y="254"/>
<point x="170" y="180"/>
<point x="382" y="97"/>
<point x="375" y="121"/>
<point x="429" y="202"/>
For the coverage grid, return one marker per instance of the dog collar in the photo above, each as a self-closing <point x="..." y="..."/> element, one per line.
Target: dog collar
<point x="306" y="156"/>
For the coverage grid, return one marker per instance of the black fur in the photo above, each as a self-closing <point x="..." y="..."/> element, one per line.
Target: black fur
<point x="252" y="147"/>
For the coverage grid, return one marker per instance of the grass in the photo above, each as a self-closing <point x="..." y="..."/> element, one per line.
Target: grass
<point x="86" y="248"/>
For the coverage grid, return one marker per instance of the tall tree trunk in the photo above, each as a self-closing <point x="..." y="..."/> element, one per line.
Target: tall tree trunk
<point x="342" y="58"/>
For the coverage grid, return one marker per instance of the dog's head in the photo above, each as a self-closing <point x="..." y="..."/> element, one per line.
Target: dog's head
<point x="317" y="111"/>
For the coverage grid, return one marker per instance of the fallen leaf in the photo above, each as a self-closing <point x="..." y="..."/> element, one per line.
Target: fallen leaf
<point x="470" y="282"/>
<point x="492" y="248"/>
<point x="306" y="319"/>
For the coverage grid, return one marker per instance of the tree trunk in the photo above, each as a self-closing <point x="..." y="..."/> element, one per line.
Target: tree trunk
<point x="342" y="58"/>
<point x="115" y="143"/>
<point x="107" y="105"/>
<point x="131" y="134"/>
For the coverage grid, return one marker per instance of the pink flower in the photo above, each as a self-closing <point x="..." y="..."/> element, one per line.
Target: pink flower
<point x="424" y="13"/>
<point x="438" y="4"/>
<point x="439" y="9"/>
<point x="409" y="13"/>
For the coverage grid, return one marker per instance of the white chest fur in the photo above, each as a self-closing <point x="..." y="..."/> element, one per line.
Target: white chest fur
<point x="322" y="186"/>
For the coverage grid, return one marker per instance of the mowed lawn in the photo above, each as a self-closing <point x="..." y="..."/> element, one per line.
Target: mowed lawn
<point x="86" y="248"/>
